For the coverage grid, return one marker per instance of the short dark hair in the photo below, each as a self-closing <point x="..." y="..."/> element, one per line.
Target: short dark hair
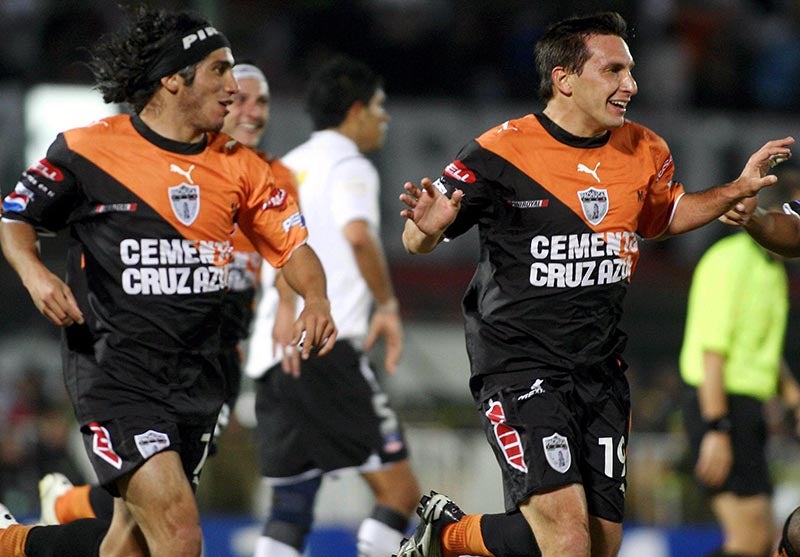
<point x="334" y="88"/>
<point x="790" y="539"/>
<point x="120" y="61"/>
<point x="564" y="44"/>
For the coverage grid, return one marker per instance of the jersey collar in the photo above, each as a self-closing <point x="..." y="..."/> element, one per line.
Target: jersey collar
<point x="563" y="136"/>
<point x="168" y="144"/>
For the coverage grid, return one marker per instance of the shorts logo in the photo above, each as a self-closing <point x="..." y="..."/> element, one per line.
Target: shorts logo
<point x="594" y="203"/>
<point x="536" y="389"/>
<point x="556" y="450"/>
<point x="507" y="437"/>
<point x="151" y="442"/>
<point x="102" y="447"/>
<point x="185" y="201"/>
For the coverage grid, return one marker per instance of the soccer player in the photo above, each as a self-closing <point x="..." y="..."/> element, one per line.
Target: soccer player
<point x="560" y="198"/>
<point x="248" y="115"/>
<point x="150" y="201"/>
<point x="330" y="414"/>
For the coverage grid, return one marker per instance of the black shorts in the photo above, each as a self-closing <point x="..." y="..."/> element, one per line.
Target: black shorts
<point x="119" y="446"/>
<point x="334" y="416"/>
<point x="131" y="408"/>
<point x="552" y="429"/>
<point x="230" y="360"/>
<point x="749" y="473"/>
<point x="180" y="387"/>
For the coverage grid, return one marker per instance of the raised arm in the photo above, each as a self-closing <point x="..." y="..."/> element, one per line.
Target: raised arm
<point x="699" y="208"/>
<point x="428" y="215"/>
<point x="49" y="293"/>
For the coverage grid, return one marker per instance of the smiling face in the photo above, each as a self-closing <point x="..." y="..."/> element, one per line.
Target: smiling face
<point x="595" y="99"/>
<point x="247" y="116"/>
<point x="204" y="103"/>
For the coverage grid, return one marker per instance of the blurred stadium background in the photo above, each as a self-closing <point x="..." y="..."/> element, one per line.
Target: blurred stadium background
<point x="717" y="78"/>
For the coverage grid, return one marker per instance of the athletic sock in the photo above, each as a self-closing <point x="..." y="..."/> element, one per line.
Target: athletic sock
<point x="74" y="504"/>
<point x="509" y="535"/>
<point x="102" y="502"/>
<point x="464" y="538"/>
<point x="81" y="538"/>
<point x="268" y="547"/>
<point x="377" y="539"/>
<point x="13" y="539"/>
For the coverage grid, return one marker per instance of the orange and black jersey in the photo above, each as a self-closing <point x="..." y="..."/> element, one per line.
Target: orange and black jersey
<point x="245" y="268"/>
<point x="558" y="218"/>
<point x="150" y="221"/>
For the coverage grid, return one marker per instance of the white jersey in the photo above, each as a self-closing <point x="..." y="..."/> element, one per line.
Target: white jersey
<point x="337" y="185"/>
<point x="260" y="354"/>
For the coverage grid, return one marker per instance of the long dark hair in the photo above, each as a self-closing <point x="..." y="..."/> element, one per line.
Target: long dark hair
<point x="120" y="61"/>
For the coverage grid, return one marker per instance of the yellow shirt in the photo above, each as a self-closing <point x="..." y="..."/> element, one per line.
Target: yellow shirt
<point x="738" y="307"/>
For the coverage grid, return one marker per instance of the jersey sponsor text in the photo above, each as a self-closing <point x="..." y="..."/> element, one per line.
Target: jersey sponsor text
<point x="162" y="266"/>
<point x="572" y="260"/>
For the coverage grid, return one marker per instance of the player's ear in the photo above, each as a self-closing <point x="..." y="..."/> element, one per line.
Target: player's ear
<point x="561" y="80"/>
<point x="171" y="82"/>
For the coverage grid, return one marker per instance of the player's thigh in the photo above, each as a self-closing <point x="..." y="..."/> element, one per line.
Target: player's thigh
<point x="159" y="496"/>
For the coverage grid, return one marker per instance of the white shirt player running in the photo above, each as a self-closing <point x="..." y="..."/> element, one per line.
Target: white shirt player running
<point x="337" y="185"/>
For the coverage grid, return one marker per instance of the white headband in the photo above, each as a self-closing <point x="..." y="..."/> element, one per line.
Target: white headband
<point x="249" y="71"/>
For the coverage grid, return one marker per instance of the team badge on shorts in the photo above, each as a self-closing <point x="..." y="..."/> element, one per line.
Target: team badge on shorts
<point x="594" y="203"/>
<point x="151" y="442"/>
<point x="556" y="450"/>
<point x="185" y="201"/>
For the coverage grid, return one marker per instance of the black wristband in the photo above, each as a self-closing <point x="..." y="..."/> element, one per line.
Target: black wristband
<point x="722" y="424"/>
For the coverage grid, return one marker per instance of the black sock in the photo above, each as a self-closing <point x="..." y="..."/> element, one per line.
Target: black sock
<point x="390" y="517"/>
<point x="102" y="502"/>
<point x="81" y="538"/>
<point x="508" y="535"/>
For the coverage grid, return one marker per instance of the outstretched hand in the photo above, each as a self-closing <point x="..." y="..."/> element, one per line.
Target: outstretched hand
<point x="428" y="208"/>
<point x="755" y="175"/>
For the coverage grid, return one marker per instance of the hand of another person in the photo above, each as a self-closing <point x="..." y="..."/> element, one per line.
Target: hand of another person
<point x="385" y="322"/>
<point x="282" y="330"/>
<point x="715" y="459"/>
<point x="740" y="214"/>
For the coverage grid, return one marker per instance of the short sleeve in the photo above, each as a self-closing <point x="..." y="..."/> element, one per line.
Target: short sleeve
<point x="47" y="194"/>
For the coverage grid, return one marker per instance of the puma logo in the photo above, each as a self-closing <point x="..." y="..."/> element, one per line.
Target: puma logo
<point x="188" y="173"/>
<point x="586" y="170"/>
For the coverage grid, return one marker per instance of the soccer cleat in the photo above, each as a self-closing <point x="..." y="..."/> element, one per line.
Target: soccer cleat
<point x="13" y="535"/>
<point x="6" y="518"/>
<point x="51" y="487"/>
<point x="435" y="512"/>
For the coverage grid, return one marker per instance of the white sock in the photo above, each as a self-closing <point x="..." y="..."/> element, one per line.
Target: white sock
<point x="376" y="539"/>
<point x="267" y="547"/>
